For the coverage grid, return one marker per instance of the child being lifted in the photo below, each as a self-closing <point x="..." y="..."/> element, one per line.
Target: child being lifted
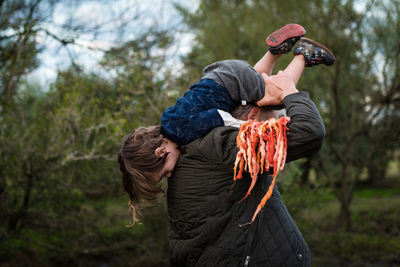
<point x="149" y="154"/>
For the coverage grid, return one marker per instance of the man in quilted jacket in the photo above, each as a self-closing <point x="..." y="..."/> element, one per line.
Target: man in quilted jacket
<point x="207" y="220"/>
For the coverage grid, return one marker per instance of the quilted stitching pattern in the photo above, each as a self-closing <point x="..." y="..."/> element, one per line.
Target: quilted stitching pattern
<point x="205" y="215"/>
<point x="277" y="241"/>
<point x="201" y="199"/>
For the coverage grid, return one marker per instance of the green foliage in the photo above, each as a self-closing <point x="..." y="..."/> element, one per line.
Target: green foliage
<point x="142" y="77"/>
<point x="373" y="240"/>
<point x="61" y="174"/>
<point x="102" y="238"/>
<point x="61" y="200"/>
<point x="18" y="47"/>
<point x="357" y="105"/>
<point x="60" y="189"/>
<point x="52" y="150"/>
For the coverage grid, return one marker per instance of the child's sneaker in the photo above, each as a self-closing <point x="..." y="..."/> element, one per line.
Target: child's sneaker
<point x="314" y="53"/>
<point x="281" y="41"/>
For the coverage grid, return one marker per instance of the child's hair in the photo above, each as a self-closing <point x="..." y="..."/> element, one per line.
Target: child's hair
<point x="137" y="160"/>
<point x="241" y="111"/>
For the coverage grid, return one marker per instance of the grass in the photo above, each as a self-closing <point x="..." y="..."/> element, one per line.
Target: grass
<point x="375" y="236"/>
<point x="98" y="238"/>
<point x="103" y="239"/>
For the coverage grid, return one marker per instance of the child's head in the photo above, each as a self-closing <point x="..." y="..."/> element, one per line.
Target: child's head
<point x="253" y="112"/>
<point x="145" y="158"/>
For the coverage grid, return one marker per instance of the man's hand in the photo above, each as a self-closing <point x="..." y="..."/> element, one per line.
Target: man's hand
<point x="276" y="88"/>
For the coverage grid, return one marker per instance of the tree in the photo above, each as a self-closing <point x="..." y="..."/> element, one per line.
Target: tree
<point x="360" y="104"/>
<point x="143" y="77"/>
<point x="384" y="136"/>
<point x="59" y="145"/>
<point x="351" y="96"/>
<point x="31" y="148"/>
<point x="19" y="22"/>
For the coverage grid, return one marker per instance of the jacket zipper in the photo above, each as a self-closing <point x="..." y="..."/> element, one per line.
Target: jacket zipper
<point x="246" y="262"/>
<point x="248" y="257"/>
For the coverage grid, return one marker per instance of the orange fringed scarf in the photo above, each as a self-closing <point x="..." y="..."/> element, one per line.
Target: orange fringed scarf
<point x="262" y="144"/>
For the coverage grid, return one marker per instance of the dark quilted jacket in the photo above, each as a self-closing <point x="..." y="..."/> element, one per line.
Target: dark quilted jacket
<point x="204" y="209"/>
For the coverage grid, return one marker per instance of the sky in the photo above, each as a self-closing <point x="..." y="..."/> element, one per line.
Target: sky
<point x="88" y="49"/>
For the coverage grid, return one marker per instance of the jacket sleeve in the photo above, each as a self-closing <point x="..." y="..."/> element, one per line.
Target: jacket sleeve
<point x="306" y="128"/>
<point x="240" y="79"/>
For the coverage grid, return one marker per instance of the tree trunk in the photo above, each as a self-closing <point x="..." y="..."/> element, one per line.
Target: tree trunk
<point x="377" y="175"/>
<point x="306" y="166"/>
<point x="377" y="170"/>
<point x="16" y="219"/>
<point x="2" y="183"/>
<point x="344" y="218"/>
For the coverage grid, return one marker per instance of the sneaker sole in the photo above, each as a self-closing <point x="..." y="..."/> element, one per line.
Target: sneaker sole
<point x="320" y="45"/>
<point x="286" y="32"/>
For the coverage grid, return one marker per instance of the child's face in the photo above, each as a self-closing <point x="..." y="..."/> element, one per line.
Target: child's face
<point x="173" y="151"/>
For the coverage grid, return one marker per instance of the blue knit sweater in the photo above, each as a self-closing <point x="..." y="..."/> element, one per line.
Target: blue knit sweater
<point x="195" y="114"/>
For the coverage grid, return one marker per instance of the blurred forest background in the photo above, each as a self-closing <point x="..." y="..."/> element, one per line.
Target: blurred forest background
<point x="61" y="198"/>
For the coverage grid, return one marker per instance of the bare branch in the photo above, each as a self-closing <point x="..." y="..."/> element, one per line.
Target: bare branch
<point x="151" y="104"/>
<point x="337" y="154"/>
<point x="61" y="40"/>
<point x="73" y="157"/>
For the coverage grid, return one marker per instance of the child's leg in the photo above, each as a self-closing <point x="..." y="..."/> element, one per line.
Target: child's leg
<point x="295" y="68"/>
<point x="266" y="63"/>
